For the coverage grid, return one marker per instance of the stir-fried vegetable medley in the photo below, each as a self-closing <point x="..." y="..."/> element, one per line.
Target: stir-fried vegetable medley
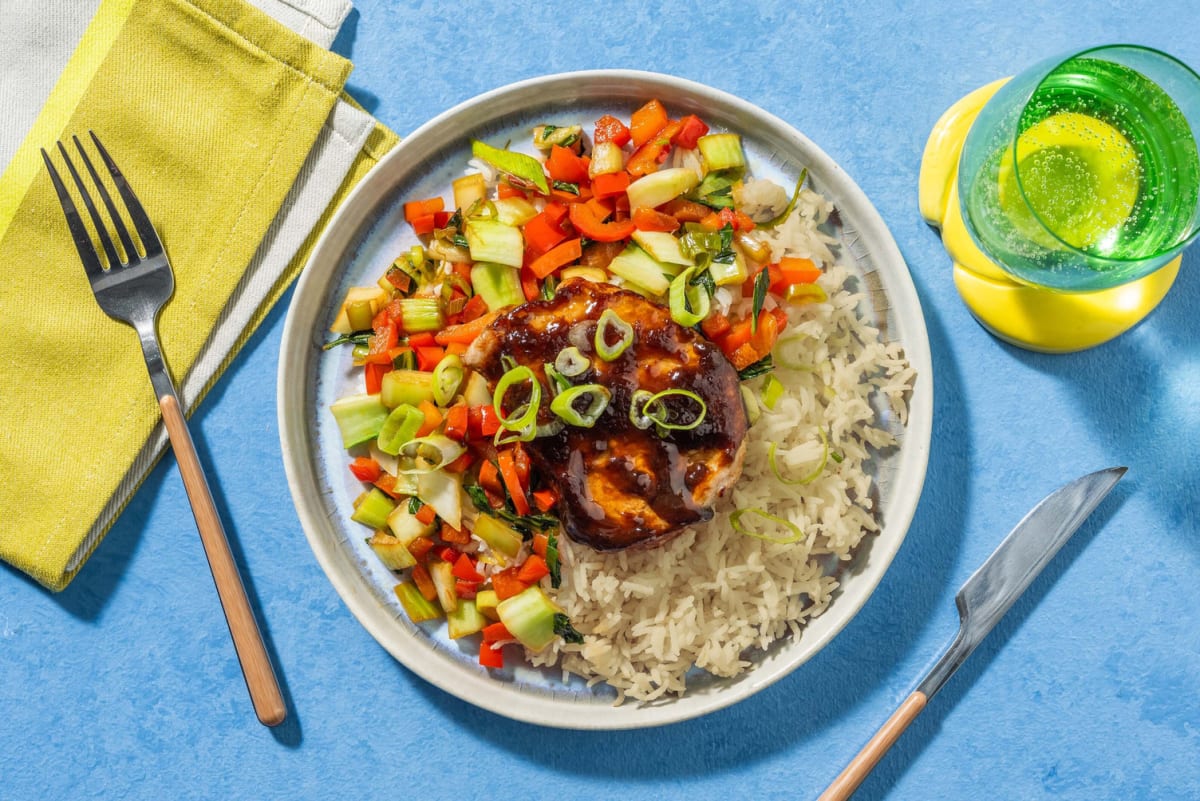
<point x="455" y="507"/>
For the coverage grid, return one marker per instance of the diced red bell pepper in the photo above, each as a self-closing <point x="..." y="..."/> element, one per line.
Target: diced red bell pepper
<point x="464" y="568"/>
<point x="506" y="584"/>
<point x="564" y="165"/>
<point x="496" y="632"/>
<point x="544" y="500"/>
<point x="512" y="482"/>
<point x="542" y="232"/>
<point x="610" y="129"/>
<point x="584" y="218"/>
<point x="490" y="657"/>
<point x="646" y="122"/>
<point x="482" y="421"/>
<point x="429" y="356"/>
<point x="414" y="209"/>
<point x="373" y="376"/>
<point x="457" y="422"/>
<point x="467" y="590"/>
<point x="610" y="184"/>
<point x="650" y="220"/>
<point x="691" y="129"/>
<point x="419" y="547"/>
<point x="426" y="514"/>
<point x="533" y="569"/>
<point x="366" y="469"/>
<point x="489" y="478"/>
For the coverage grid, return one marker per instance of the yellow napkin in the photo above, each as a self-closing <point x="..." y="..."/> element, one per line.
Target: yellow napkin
<point x="210" y="108"/>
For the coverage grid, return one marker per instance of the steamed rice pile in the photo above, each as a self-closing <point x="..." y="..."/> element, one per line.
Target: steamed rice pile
<point x="711" y="596"/>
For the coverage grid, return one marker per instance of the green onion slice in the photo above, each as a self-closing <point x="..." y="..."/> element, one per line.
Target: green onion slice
<point x="735" y="520"/>
<point x="526" y="416"/>
<point x="401" y="425"/>
<point x="565" y="404"/>
<point x="610" y="320"/>
<point x="780" y="352"/>
<point x="447" y="378"/>
<point x="427" y="454"/>
<point x="571" y="362"/>
<point x="690" y="303"/>
<point x="555" y="379"/>
<point x="655" y="409"/>
<point x="791" y="206"/>
<point x="772" y="391"/>
<point x="636" y="404"/>
<point x="807" y="479"/>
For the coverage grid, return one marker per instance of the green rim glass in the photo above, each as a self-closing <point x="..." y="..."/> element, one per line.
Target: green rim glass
<point x="1083" y="172"/>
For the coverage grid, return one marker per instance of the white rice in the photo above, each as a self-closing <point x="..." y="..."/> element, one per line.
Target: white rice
<point x="711" y="596"/>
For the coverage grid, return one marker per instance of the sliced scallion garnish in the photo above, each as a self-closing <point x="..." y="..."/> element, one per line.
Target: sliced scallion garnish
<point x="636" y="404"/>
<point x="610" y="320"/>
<point x="571" y="362"/>
<point x="526" y="416"/>
<point x="427" y="454"/>
<point x="655" y="409"/>
<point x="761" y="282"/>
<point x="689" y="302"/>
<point x="807" y="479"/>
<point x="772" y="391"/>
<point x="447" y="378"/>
<point x="735" y="521"/>
<point x="565" y="405"/>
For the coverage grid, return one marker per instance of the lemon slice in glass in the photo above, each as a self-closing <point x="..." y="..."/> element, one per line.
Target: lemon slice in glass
<point x="1080" y="178"/>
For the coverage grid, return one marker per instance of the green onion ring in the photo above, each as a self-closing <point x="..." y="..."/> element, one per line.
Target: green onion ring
<point x="564" y="404"/>
<point x="683" y="295"/>
<point x="418" y="451"/>
<point x="777" y="353"/>
<point x="447" y="378"/>
<point x="610" y="319"/>
<point x="661" y="419"/>
<point x="555" y="379"/>
<point x="811" y="477"/>
<point x="571" y="362"/>
<point x="735" y="520"/>
<point x="528" y="412"/>
<point x="636" y="403"/>
<point x="772" y="391"/>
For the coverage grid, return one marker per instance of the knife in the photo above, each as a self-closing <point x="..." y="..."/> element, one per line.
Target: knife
<point x="983" y="600"/>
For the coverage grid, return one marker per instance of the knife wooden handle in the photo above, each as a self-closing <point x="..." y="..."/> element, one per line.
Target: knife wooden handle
<point x="849" y="779"/>
<point x="247" y="640"/>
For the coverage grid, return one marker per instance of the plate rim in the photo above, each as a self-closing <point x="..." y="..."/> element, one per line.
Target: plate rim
<point x="476" y="687"/>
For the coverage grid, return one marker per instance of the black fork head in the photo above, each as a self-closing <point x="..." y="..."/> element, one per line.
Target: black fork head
<point x="151" y="244"/>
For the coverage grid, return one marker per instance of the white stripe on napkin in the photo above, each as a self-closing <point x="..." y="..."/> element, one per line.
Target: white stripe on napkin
<point x="36" y="41"/>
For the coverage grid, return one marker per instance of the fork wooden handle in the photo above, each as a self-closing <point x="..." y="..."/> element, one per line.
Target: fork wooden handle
<point x="849" y="779"/>
<point x="247" y="640"/>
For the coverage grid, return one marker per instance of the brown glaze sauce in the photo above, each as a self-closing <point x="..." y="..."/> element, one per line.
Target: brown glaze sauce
<point x="620" y="485"/>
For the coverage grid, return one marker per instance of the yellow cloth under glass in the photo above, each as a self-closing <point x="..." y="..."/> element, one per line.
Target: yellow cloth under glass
<point x="210" y="108"/>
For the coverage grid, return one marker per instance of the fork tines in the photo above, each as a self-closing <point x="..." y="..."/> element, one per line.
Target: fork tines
<point x="83" y="241"/>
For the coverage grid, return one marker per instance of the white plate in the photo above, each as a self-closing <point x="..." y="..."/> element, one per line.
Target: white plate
<point x="369" y="231"/>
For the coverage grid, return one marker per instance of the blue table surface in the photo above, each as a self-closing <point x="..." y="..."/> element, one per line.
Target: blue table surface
<point x="125" y="686"/>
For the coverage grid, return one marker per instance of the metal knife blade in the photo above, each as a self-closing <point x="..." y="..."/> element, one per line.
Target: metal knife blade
<point x="983" y="600"/>
<point x="1028" y="548"/>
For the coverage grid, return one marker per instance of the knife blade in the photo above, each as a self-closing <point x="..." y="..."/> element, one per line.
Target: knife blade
<point x="982" y="601"/>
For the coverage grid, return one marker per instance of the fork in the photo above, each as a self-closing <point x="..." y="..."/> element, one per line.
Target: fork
<point x="133" y="290"/>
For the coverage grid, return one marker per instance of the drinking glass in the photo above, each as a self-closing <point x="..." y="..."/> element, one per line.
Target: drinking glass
<point x="1082" y="173"/>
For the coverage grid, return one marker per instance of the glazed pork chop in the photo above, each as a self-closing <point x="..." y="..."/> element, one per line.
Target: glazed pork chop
<point x="620" y="485"/>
